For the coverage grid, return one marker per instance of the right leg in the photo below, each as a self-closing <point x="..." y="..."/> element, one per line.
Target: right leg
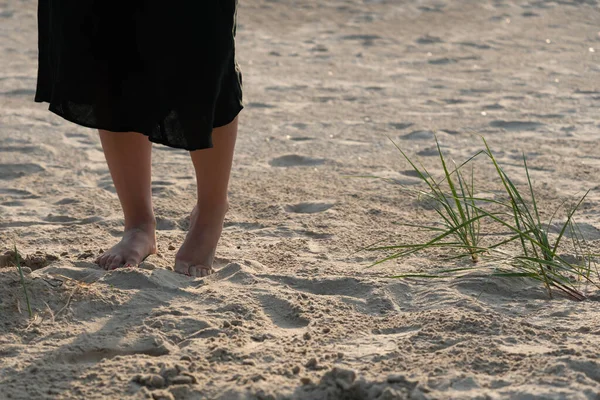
<point x="129" y="155"/>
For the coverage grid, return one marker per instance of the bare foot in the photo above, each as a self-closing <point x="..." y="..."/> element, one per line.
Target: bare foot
<point x="136" y="244"/>
<point x="196" y="255"/>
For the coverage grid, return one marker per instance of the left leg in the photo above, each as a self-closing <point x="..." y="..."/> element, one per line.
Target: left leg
<point x="213" y="167"/>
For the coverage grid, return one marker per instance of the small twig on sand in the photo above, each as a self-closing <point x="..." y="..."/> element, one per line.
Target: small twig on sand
<point x="50" y="312"/>
<point x="32" y="322"/>
<point x="68" y="302"/>
<point x="20" y="270"/>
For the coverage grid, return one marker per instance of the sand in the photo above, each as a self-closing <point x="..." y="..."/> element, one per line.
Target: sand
<point x="293" y="311"/>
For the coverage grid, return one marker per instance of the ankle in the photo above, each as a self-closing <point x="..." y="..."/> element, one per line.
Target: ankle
<point x="216" y="207"/>
<point x="145" y="225"/>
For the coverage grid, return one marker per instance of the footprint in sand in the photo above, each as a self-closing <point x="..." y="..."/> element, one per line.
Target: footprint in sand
<point x="6" y="13"/>
<point x="59" y="218"/>
<point x="299" y="125"/>
<point x="301" y="138"/>
<point x="548" y="116"/>
<point x="410" y="172"/>
<point x="494" y="106"/>
<point x="19" y="149"/>
<point x="428" y="39"/>
<point x="578" y="91"/>
<point x="443" y="61"/>
<point x="66" y="201"/>
<point x="15" y="171"/>
<point x="295" y="160"/>
<point x="19" y="92"/>
<point x="308" y="208"/>
<point x="79" y="139"/>
<point x="367" y="40"/>
<point x="436" y="8"/>
<point x="374" y="88"/>
<point x="428" y="152"/>
<point x="419" y="135"/>
<point x="478" y="46"/>
<point x="450" y="131"/>
<point x="454" y="101"/>
<point x="589" y="232"/>
<point x="13" y="203"/>
<point x="335" y="286"/>
<point x="516" y="125"/>
<point x="25" y="194"/>
<point x="259" y="105"/>
<point x="75" y="135"/>
<point x="314" y="235"/>
<point x="282" y="313"/>
<point x="475" y="91"/>
<point x="283" y="88"/>
<point x="168" y="319"/>
<point x="400" y="125"/>
<point x="15" y="197"/>
<point x="153" y="346"/>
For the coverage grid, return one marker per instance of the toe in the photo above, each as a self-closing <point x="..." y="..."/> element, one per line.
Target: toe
<point x="116" y="262"/>
<point x="200" y="271"/>
<point x="101" y="261"/>
<point x="182" y="267"/>
<point x="100" y="257"/>
<point x="130" y="263"/>
<point x="107" y="261"/>
<point x="195" y="271"/>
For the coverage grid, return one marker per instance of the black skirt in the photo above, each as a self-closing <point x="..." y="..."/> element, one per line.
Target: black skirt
<point x="166" y="69"/>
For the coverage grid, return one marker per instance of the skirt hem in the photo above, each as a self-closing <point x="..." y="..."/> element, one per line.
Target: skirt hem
<point x="222" y="122"/>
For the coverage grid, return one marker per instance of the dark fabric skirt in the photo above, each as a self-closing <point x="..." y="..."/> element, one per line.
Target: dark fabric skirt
<point x="166" y="69"/>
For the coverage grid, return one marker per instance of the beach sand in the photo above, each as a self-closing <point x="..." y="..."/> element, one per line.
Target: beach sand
<point x="293" y="310"/>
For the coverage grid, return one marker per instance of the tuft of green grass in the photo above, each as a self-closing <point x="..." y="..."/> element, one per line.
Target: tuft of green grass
<point x="18" y="265"/>
<point x="453" y="201"/>
<point x="462" y="215"/>
<point x="540" y="256"/>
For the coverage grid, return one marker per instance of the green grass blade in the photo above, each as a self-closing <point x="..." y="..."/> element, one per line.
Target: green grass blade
<point x="532" y="193"/>
<point x="424" y="227"/>
<point x="450" y="183"/>
<point x="417" y="248"/>
<point x="462" y="233"/>
<point x="569" y="217"/>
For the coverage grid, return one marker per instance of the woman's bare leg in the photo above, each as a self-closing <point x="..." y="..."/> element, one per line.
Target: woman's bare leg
<point x="129" y="158"/>
<point x="213" y="167"/>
